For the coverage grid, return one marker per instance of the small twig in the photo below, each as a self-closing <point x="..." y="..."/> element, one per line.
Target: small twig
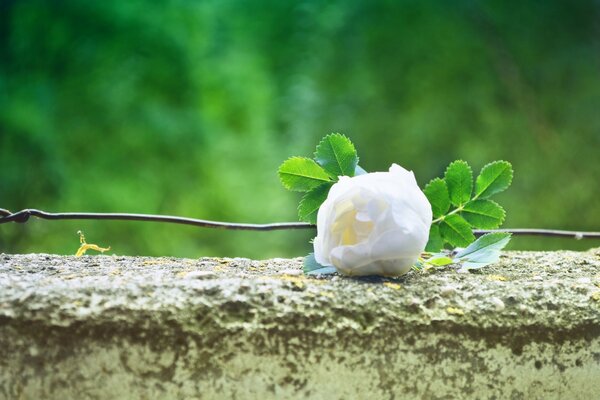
<point x="23" y="216"/>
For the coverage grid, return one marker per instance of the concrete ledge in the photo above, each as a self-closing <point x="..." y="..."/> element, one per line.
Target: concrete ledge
<point x="119" y="327"/>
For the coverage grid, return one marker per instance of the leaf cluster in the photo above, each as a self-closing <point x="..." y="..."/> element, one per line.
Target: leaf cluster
<point x="459" y="205"/>
<point x="335" y="156"/>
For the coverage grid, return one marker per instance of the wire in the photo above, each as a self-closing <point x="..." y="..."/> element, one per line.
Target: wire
<point x="24" y="215"/>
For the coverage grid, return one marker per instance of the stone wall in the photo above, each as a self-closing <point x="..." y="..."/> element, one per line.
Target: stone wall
<point x="107" y="327"/>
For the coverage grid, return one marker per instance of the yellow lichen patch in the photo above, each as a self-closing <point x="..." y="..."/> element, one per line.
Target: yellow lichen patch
<point x="153" y="262"/>
<point x="596" y="296"/>
<point x="497" y="278"/>
<point x="327" y="294"/>
<point x="392" y="285"/>
<point x="85" y="246"/>
<point x="455" y="311"/>
<point x="298" y="281"/>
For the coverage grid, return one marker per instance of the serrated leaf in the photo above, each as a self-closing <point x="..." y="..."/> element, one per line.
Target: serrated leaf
<point x="302" y="174"/>
<point x="436" y="192"/>
<point x="459" y="179"/>
<point x="312" y="267"/>
<point x="493" y="178"/>
<point x="483" y="214"/>
<point x="311" y="201"/>
<point x="456" y="231"/>
<point x="337" y="155"/>
<point x="484" y="251"/>
<point x="435" y="242"/>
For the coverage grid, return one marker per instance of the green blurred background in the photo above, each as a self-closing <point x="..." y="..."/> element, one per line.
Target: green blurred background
<point x="188" y="108"/>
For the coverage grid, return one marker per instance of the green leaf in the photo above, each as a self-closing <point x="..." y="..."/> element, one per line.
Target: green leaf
<point x="337" y="155"/>
<point x="302" y="174"/>
<point x="311" y="201"/>
<point x="359" y="171"/>
<point x="483" y="214"/>
<point x="493" y="178"/>
<point x="440" y="261"/>
<point x="459" y="178"/>
<point x="436" y="192"/>
<point x="456" y="231"/>
<point x="484" y="251"/>
<point x="435" y="242"/>
<point x="312" y="267"/>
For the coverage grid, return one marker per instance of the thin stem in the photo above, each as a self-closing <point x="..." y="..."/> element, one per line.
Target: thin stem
<point x="457" y="210"/>
<point x="24" y="215"/>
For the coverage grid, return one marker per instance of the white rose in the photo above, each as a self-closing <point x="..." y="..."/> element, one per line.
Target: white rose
<point x="373" y="224"/>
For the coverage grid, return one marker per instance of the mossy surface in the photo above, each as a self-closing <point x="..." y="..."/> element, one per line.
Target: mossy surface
<point x="106" y="326"/>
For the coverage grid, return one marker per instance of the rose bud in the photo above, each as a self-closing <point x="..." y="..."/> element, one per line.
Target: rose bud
<point x="373" y="224"/>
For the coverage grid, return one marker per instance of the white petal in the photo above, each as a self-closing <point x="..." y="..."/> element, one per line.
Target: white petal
<point x="321" y="256"/>
<point x="375" y="223"/>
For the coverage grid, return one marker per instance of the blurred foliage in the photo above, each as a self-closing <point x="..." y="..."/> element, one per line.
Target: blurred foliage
<point x="188" y="108"/>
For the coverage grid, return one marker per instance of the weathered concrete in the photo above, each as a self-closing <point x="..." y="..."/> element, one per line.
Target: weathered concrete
<point x="116" y="327"/>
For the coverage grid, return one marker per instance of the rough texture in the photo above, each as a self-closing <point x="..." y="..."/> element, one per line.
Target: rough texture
<point x="117" y="327"/>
